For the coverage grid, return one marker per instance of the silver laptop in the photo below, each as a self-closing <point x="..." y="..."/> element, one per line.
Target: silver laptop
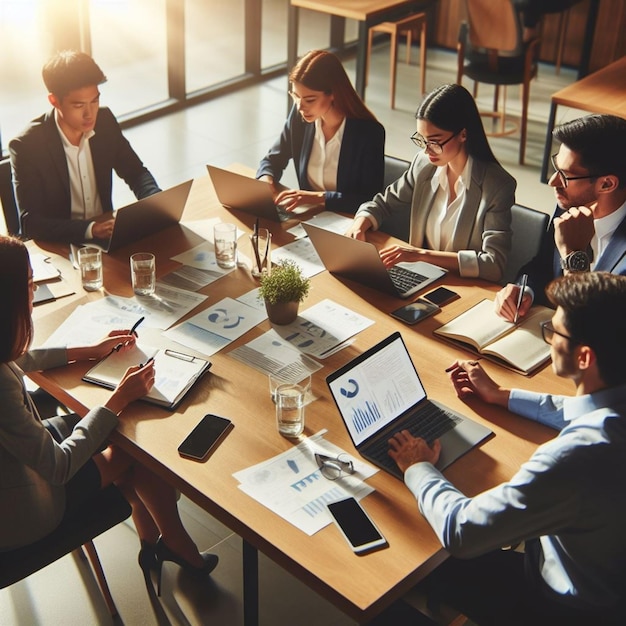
<point x="147" y="216"/>
<point x="360" y="261"/>
<point x="236" y="191"/>
<point x="379" y="393"/>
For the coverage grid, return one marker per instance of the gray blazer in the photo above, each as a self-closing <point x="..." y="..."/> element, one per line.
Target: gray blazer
<point x="33" y="467"/>
<point x="482" y="235"/>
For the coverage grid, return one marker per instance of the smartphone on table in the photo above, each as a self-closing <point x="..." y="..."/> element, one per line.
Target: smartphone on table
<point x="205" y="437"/>
<point x="356" y="526"/>
<point x="415" y="311"/>
<point x="441" y="296"/>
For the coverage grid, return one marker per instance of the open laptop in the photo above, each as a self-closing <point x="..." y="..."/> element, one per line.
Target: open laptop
<point x="236" y="191"/>
<point x="360" y="261"/>
<point x="147" y="216"/>
<point x="379" y="393"/>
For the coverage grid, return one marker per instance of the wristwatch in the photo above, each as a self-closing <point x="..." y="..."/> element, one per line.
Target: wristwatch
<point x="576" y="261"/>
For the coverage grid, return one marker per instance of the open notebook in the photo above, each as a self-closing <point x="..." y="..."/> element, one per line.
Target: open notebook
<point x="175" y="372"/>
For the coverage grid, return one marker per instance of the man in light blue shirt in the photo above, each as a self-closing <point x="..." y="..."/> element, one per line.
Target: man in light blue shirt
<point x="567" y="502"/>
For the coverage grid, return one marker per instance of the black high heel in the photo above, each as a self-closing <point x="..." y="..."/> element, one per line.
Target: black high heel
<point x="163" y="553"/>
<point x="147" y="557"/>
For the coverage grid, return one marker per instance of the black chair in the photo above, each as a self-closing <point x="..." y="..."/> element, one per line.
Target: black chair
<point x="529" y="227"/>
<point x="492" y="50"/>
<point x="399" y="225"/>
<point x="7" y="198"/>
<point x="106" y="510"/>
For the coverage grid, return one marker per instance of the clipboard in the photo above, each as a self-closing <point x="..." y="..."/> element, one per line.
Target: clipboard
<point x="176" y="373"/>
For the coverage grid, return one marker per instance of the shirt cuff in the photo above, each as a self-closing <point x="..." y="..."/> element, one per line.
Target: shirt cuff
<point x="524" y="403"/>
<point x="468" y="263"/>
<point x="89" y="231"/>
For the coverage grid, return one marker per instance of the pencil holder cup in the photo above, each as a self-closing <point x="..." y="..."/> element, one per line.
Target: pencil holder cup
<point x="261" y="244"/>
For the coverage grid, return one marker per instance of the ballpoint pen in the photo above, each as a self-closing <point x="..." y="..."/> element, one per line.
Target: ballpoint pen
<point x="520" y="296"/>
<point x="142" y="365"/>
<point x="255" y="244"/>
<point x="133" y="330"/>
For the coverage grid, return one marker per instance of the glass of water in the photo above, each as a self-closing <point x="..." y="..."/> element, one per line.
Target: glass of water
<point x="143" y="273"/>
<point x="90" y="263"/>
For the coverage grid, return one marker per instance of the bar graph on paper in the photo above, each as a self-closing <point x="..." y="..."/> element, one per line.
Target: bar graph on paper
<point x="315" y="507"/>
<point x="364" y="417"/>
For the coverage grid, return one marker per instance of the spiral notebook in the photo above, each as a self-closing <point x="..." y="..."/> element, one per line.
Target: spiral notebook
<point x="176" y="372"/>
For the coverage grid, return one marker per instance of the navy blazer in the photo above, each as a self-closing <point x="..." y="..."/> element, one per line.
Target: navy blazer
<point x="42" y="181"/>
<point x="361" y="167"/>
<point x="546" y="266"/>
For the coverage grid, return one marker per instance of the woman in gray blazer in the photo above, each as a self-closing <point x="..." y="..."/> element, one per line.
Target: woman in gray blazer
<point x="41" y="480"/>
<point x="458" y="195"/>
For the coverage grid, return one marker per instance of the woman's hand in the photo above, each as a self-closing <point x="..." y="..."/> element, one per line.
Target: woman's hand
<point x="505" y="303"/>
<point x="136" y="383"/>
<point x="470" y="379"/>
<point x="395" y="254"/>
<point x="291" y="199"/>
<point x="118" y="340"/>
<point x="360" y="225"/>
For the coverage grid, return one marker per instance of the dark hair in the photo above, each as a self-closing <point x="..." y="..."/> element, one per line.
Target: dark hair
<point x="593" y="306"/>
<point x="599" y="140"/>
<point x="321" y="70"/>
<point x="452" y="108"/>
<point x="69" y="70"/>
<point x="15" y="319"/>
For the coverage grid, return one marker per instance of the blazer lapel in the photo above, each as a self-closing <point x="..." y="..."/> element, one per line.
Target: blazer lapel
<point x="615" y="251"/>
<point x="307" y="143"/>
<point x="55" y="147"/>
<point x="467" y="217"/>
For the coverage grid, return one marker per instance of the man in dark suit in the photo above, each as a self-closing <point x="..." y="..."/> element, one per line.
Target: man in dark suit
<point x="63" y="161"/>
<point x="588" y="229"/>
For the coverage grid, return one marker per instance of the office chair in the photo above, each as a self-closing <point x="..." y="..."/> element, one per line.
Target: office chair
<point x="491" y="50"/>
<point x="529" y="227"/>
<point x="108" y="509"/>
<point x="7" y="198"/>
<point x="400" y="224"/>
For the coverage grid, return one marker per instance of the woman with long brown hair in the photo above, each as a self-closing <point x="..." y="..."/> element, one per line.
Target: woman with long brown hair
<point x="336" y="143"/>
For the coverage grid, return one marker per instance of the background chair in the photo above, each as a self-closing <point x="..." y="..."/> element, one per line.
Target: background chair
<point x="491" y="50"/>
<point x="107" y="510"/>
<point x="404" y="26"/>
<point x="529" y="226"/>
<point x="7" y="198"/>
<point x="399" y="225"/>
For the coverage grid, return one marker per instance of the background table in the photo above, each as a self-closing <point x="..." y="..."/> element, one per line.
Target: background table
<point x="360" y="586"/>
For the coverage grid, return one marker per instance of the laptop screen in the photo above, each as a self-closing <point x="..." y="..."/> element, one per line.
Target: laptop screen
<point x="375" y="388"/>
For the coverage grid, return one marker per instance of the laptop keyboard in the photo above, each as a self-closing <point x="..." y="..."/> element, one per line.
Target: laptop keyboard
<point x="405" y="279"/>
<point x="431" y="423"/>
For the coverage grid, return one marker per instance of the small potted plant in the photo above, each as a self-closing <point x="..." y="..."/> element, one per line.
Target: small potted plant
<point x="282" y="289"/>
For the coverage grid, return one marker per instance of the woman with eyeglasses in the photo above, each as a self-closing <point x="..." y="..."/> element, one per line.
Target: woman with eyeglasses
<point x="334" y="140"/>
<point x="46" y="475"/>
<point x="458" y="195"/>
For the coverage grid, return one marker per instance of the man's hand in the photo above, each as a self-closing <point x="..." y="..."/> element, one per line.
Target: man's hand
<point x="506" y="302"/>
<point x="291" y="199"/>
<point x="103" y="230"/>
<point x="573" y="230"/>
<point x="360" y="225"/>
<point x="407" y="450"/>
<point x="470" y="379"/>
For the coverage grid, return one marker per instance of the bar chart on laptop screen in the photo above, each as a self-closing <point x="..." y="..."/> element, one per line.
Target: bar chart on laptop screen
<point x="364" y="416"/>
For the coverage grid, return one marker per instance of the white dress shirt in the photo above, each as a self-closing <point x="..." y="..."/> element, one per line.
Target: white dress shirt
<point x="604" y="228"/>
<point x="324" y="158"/>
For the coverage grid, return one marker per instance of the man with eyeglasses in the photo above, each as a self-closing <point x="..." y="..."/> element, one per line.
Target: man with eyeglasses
<point x="567" y="502"/>
<point x="588" y="230"/>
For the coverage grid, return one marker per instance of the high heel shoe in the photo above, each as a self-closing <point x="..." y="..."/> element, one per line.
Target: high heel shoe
<point x="163" y="553"/>
<point x="147" y="557"/>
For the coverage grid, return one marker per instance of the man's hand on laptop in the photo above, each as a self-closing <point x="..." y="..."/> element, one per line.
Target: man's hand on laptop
<point x="470" y="379"/>
<point x="407" y="450"/>
<point x="291" y="199"/>
<point x="103" y="230"/>
<point x="505" y="303"/>
<point x="360" y="225"/>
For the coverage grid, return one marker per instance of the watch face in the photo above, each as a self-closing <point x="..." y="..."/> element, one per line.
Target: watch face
<point x="578" y="261"/>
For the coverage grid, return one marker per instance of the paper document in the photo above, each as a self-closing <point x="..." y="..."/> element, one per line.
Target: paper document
<point x="292" y="486"/>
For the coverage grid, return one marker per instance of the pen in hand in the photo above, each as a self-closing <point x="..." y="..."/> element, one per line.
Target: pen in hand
<point x="520" y="296"/>
<point x="142" y="365"/>
<point x="133" y="330"/>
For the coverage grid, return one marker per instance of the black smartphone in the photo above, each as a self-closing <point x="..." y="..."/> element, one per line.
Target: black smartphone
<point x="415" y="312"/>
<point x="441" y="296"/>
<point x="205" y="437"/>
<point x="356" y="526"/>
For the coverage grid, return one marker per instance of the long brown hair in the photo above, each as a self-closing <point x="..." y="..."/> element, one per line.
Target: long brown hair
<point x="321" y="70"/>
<point x="15" y="319"/>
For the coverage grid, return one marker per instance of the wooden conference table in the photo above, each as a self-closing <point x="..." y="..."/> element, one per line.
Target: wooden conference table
<point x="365" y="12"/>
<point x="361" y="586"/>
